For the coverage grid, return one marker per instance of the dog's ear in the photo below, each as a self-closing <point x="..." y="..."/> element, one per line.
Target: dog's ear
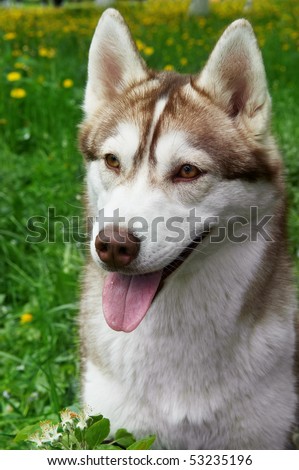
<point x="234" y="77"/>
<point x="114" y="61"/>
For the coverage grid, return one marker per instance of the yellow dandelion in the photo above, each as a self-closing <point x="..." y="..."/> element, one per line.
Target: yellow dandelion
<point x="3" y="121"/>
<point x="140" y="45"/>
<point x="184" y="61"/>
<point x="147" y="21"/>
<point x="16" y="53"/>
<point x="262" y="41"/>
<point x="169" y="41"/>
<point x="21" y="66"/>
<point x="13" y="76"/>
<point x="67" y="83"/>
<point x="148" y="50"/>
<point x="9" y="36"/>
<point x="285" y="47"/>
<point x="26" y="317"/>
<point x="169" y="67"/>
<point x="42" y="52"/>
<point x="48" y="52"/>
<point x="18" y="93"/>
<point x="202" y="22"/>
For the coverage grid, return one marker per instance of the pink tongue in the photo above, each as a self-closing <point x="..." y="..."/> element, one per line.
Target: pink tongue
<point x="126" y="299"/>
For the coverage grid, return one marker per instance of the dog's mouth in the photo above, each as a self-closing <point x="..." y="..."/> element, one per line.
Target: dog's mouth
<point x="127" y="298"/>
<point x="174" y="265"/>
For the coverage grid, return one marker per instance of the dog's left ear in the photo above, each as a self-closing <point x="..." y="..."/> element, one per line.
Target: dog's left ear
<point x="114" y="61"/>
<point x="234" y="77"/>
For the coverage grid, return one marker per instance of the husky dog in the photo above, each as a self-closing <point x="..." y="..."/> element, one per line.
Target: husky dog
<point x="188" y="305"/>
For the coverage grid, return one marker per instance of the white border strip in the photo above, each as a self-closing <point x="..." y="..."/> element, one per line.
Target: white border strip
<point x="166" y="459"/>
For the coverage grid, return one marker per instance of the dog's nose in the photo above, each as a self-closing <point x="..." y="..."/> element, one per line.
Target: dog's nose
<point x="117" y="247"/>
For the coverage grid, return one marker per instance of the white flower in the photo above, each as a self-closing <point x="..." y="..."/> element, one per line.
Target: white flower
<point x="34" y="396"/>
<point x="36" y="438"/>
<point x="67" y="418"/>
<point x="50" y="432"/>
<point x="83" y="418"/>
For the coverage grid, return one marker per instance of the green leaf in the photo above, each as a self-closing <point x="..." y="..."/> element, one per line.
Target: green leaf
<point x="26" y="432"/>
<point x="70" y="441"/>
<point x="78" y="435"/>
<point x="143" y="444"/>
<point x="108" y="447"/>
<point x="96" y="418"/>
<point x="123" y="433"/>
<point x="97" y="432"/>
<point x="124" y="438"/>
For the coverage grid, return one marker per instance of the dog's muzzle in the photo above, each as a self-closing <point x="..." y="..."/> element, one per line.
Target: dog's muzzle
<point x="126" y="298"/>
<point x="116" y="247"/>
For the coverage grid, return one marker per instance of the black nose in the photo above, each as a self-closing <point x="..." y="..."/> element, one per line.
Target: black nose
<point x="117" y="247"/>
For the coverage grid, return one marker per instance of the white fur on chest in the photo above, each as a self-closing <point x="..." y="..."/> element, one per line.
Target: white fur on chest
<point x="190" y="360"/>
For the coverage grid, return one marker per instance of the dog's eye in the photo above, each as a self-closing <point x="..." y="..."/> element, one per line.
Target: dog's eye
<point x="187" y="172"/>
<point x="112" y="161"/>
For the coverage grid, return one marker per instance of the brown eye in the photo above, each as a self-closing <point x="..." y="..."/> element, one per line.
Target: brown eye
<point x="187" y="172"/>
<point x="112" y="161"/>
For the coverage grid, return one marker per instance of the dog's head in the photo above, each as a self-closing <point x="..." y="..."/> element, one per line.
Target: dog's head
<point x="170" y="158"/>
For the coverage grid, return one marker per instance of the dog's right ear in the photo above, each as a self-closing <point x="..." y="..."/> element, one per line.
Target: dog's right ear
<point x="114" y="61"/>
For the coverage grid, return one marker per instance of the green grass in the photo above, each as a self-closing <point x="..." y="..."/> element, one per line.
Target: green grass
<point x="41" y="168"/>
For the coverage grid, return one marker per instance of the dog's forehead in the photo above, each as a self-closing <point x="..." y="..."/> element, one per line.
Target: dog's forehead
<point x="157" y="123"/>
<point x="124" y="140"/>
<point x="152" y="121"/>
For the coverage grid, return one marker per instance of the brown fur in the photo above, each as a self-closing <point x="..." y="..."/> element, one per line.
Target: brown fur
<point x="217" y="341"/>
